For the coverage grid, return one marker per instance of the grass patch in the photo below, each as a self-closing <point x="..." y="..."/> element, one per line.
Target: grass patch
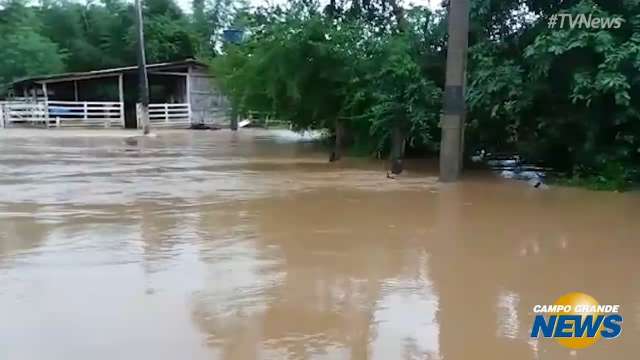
<point x="611" y="177"/>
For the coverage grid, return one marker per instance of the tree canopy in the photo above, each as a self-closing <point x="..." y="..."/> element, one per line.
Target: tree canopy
<point x="62" y="35"/>
<point x="565" y="97"/>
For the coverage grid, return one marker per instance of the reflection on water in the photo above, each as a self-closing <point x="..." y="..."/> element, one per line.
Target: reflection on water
<point x="508" y="322"/>
<point x="214" y="245"/>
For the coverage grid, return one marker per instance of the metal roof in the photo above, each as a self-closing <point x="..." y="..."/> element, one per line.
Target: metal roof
<point x="106" y="72"/>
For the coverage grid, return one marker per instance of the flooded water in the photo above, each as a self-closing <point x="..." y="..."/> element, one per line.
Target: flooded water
<point x="214" y="245"/>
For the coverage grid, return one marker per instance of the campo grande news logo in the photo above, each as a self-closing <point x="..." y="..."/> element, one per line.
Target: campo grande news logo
<point x="577" y="321"/>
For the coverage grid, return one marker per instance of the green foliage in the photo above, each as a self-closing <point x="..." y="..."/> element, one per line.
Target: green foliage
<point x="28" y="53"/>
<point x="398" y="92"/>
<point x="63" y="35"/>
<point x="567" y="97"/>
<point x="314" y="70"/>
<point x="612" y="176"/>
<point x="563" y="97"/>
<point x="167" y="39"/>
<point x="91" y="35"/>
<point x="24" y="50"/>
<point x="211" y="17"/>
<point x="290" y="69"/>
<point x="497" y="99"/>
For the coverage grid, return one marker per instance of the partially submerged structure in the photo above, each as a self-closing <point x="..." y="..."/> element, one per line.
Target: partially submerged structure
<point x="181" y="93"/>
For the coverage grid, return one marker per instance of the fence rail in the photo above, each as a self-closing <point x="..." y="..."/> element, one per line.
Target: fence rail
<point x="18" y="112"/>
<point x="266" y="120"/>
<point x="36" y="99"/>
<point x="166" y="115"/>
<point x="62" y="113"/>
<point x="85" y="113"/>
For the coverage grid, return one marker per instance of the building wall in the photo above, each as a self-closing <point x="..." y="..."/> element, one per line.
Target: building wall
<point x="208" y="105"/>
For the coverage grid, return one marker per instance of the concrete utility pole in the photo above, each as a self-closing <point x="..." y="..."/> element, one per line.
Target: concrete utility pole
<point x="142" y="70"/>
<point x="452" y="145"/>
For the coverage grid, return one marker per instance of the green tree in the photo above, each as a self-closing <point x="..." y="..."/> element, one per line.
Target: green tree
<point x="24" y="50"/>
<point x="340" y="72"/>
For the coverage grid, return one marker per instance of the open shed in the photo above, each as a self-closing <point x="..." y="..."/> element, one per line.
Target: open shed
<point x="181" y="93"/>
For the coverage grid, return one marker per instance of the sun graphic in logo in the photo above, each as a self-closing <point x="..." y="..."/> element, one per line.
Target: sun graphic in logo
<point x="578" y="300"/>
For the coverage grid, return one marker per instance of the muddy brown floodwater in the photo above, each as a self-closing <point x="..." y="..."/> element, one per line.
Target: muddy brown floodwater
<point x="214" y="245"/>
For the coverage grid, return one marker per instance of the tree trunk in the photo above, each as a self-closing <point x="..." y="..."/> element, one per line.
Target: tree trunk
<point x="332" y="9"/>
<point x="339" y="145"/>
<point x="398" y="13"/>
<point x="234" y="119"/>
<point x="397" y="131"/>
<point x="397" y="148"/>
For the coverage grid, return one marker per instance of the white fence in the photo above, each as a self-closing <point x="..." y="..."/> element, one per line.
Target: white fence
<point x="86" y="113"/>
<point x="266" y="120"/>
<point x="62" y="114"/>
<point x="37" y="99"/>
<point x="89" y="114"/>
<point x="18" y="112"/>
<point x="166" y="115"/>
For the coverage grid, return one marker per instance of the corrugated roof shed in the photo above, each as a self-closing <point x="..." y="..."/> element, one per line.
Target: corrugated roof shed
<point x="105" y="72"/>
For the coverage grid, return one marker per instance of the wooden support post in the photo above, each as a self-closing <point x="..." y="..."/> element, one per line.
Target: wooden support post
<point x="44" y="92"/>
<point x="46" y="104"/>
<point x="451" y="147"/>
<point x="122" y="118"/>
<point x="188" y="91"/>
<point x="121" y="98"/>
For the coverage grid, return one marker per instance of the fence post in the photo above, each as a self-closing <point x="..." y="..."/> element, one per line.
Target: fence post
<point x="1" y="116"/>
<point x="46" y="104"/>
<point x="57" y="121"/>
<point x="189" y="113"/>
<point x="166" y="113"/>
<point x="85" y="110"/>
<point x="124" y="125"/>
<point x="107" y="120"/>
<point x="138" y="114"/>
